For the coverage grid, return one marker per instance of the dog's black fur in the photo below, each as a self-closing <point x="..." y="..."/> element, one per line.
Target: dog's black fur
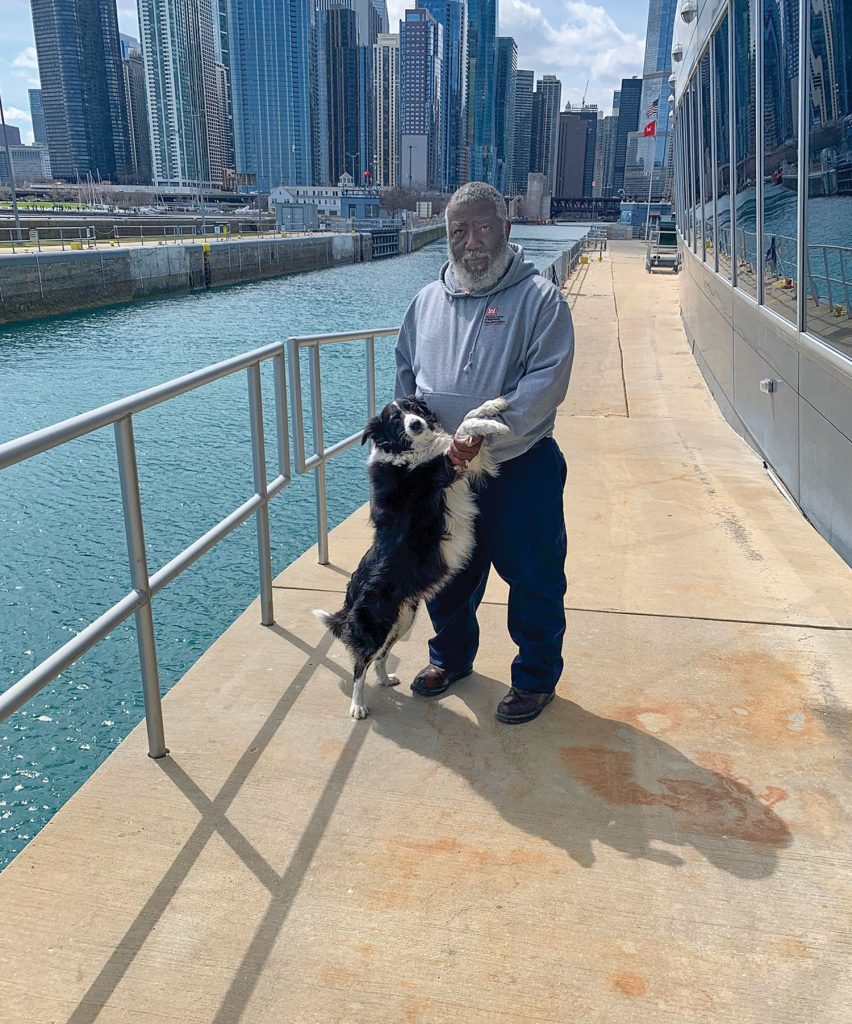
<point x="413" y="553"/>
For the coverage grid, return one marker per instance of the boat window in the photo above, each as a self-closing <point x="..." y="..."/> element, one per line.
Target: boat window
<point x="780" y="156"/>
<point x="723" y="156"/>
<point x="695" y="154"/>
<point x="746" y="170"/>
<point x="707" y="174"/>
<point x="828" y="294"/>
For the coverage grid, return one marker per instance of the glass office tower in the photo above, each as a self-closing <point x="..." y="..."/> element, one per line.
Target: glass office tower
<point x="452" y="16"/>
<point x="763" y="188"/>
<point x="507" y="69"/>
<point x="482" y="33"/>
<point x="524" y="86"/>
<point x="37" y="115"/>
<point x="82" y="90"/>
<point x="648" y="150"/>
<point x="270" y="57"/>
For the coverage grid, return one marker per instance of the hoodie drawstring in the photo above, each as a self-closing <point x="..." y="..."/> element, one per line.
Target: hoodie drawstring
<point x="467" y="365"/>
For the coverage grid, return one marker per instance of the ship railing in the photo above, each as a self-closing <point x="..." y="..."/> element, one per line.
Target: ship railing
<point x="828" y="270"/>
<point x="821" y="260"/>
<point x="143" y="583"/>
<point x="317" y="460"/>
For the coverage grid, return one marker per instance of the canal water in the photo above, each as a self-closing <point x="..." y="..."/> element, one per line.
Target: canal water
<point x="63" y="558"/>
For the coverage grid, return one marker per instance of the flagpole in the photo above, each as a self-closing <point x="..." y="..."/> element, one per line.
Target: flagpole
<point x="650" y="183"/>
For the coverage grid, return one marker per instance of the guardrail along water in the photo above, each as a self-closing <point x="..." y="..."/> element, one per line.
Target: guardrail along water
<point x="63" y="555"/>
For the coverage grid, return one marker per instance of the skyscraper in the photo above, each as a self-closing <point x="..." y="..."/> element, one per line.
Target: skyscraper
<point x="133" y="77"/>
<point x="178" y="53"/>
<point x="604" y="155"/>
<point x="507" y="68"/>
<point x="371" y="17"/>
<point x="81" y="87"/>
<point x="589" y="114"/>
<point x="386" y="91"/>
<point x="573" y="134"/>
<point x="37" y="115"/>
<point x="337" y="38"/>
<point x="270" y="58"/>
<point x="549" y="89"/>
<point x="648" y="151"/>
<point x="421" y="45"/>
<point x="482" y="21"/>
<point x="524" y="82"/>
<point x="630" y="96"/>
<point x="451" y="15"/>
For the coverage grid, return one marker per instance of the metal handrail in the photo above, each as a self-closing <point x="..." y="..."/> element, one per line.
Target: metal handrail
<point x="33" y="237"/>
<point x="321" y="455"/>
<point x="144" y="585"/>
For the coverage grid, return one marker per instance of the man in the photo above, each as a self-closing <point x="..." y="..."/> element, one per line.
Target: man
<point x="491" y="326"/>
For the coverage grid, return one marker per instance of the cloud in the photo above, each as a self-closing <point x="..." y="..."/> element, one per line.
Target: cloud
<point x="571" y="39"/>
<point x="577" y="41"/>
<point x="26" y="59"/>
<point x="16" y="114"/>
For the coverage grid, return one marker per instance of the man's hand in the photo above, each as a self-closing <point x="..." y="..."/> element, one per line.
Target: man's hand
<point x="462" y="450"/>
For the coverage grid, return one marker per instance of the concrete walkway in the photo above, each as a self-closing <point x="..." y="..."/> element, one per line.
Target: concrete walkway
<point x="669" y="842"/>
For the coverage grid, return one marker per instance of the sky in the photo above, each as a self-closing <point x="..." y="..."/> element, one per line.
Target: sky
<point x="579" y="42"/>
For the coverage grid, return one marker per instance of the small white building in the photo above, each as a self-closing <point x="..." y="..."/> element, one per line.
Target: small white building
<point x="326" y="198"/>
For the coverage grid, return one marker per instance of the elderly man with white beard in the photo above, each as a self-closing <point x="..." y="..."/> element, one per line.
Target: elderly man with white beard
<point x="492" y="326"/>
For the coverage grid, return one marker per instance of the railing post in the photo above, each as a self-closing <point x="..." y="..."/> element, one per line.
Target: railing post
<point x="371" y="376"/>
<point x="827" y="278"/>
<point x="135" y="534"/>
<point x="319" y="448"/>
<point x="258" y="458"/>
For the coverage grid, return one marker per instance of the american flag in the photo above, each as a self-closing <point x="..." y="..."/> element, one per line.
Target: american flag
<point x="652" y="107"/>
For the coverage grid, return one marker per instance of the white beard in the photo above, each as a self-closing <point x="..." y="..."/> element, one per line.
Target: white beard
<point x="484" y="281"/>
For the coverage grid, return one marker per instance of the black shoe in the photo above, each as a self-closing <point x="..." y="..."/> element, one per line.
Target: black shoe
<point x="521" y="706"/>
<point x="433" y="681"/>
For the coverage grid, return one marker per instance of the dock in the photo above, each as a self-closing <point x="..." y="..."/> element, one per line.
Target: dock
<point x="669" y="842"/>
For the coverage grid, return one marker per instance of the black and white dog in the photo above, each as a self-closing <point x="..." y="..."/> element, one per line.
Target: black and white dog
<point x="423" y="513"/>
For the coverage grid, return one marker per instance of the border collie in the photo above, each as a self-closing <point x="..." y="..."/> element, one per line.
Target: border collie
<point x="423" y="511"/>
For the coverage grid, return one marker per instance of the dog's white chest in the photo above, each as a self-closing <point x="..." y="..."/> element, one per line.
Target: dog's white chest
<point x="459" y="516"/>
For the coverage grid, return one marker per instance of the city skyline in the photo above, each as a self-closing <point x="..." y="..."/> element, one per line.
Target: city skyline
<point x="576" y="41"/>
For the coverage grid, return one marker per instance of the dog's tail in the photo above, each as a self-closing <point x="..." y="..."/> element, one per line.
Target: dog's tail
<point x="333" y="621"/>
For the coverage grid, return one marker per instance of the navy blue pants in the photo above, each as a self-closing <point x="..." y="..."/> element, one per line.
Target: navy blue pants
<point x="520" y="530"/>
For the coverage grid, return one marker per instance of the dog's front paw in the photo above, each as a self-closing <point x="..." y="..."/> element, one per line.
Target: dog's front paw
<point x="482" y="427"/>
<point x="358" y="710"/>
<point x="391" y="680"/>
<point x="488" y="409"/>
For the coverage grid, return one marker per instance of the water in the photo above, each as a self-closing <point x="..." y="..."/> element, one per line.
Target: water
<point x="63" y="559"/>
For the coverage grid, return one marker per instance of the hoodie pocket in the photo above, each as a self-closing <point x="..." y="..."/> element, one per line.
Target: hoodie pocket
<point x="449" y="407"/>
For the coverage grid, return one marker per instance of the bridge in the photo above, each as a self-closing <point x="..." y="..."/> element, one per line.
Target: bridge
<point x="582" y="208"/>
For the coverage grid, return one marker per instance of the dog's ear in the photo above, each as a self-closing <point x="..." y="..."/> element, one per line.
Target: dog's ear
<point x="373" y="430"/>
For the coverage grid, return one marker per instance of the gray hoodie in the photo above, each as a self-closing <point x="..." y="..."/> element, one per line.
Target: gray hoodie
<point x="458" y="349"/>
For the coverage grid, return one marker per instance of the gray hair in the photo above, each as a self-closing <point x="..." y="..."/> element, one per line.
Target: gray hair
<point x="473" y="191"/>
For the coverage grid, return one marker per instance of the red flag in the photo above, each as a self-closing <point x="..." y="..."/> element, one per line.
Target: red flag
<point x="650" y="128"/>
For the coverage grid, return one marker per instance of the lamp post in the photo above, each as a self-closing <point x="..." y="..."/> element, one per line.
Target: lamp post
<point x="11" y="174"/>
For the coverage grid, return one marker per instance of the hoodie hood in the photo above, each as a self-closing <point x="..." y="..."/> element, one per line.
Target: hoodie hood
<point x="519" y="269"/>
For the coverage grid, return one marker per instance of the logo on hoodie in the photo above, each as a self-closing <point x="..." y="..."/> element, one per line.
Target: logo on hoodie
<point x="493" y="317"/>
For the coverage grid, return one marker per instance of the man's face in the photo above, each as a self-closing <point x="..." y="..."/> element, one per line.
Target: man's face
<point x="476" y="235"/>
